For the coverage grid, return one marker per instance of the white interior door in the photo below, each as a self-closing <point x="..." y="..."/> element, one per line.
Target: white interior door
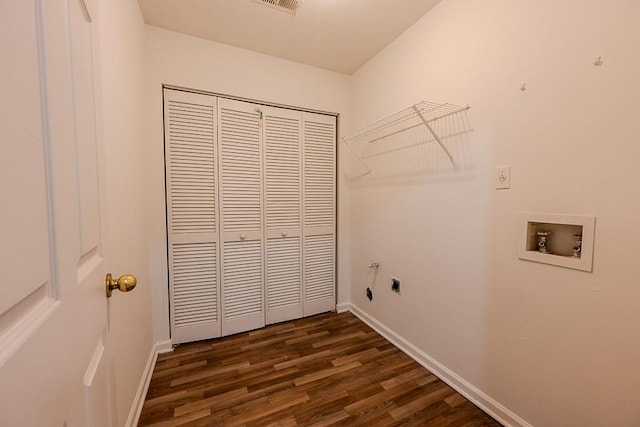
<point x="53" y="309"/>
<point x="240" y="171"/>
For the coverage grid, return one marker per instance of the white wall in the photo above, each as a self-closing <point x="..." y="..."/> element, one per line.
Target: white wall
<point x="122" y="45"/>
<point x="185" y="61"/>
<point x="555" y="346"/>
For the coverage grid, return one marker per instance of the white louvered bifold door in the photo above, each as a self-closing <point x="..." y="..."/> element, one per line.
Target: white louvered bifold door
<point x="240" y="171"/>
<point x="190" y="150"/>
<point x="319" y="226"/>
<point x="283" y="213"/>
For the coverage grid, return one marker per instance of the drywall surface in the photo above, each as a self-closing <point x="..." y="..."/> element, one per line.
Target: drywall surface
<point x="184" y="61"/>
<point x="122" y="44"/>
<point x="554" y="346"/>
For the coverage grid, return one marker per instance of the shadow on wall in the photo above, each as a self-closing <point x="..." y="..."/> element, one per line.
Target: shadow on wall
<point x="423" y="143"/>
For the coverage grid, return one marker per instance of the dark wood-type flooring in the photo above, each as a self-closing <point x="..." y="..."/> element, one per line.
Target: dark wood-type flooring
<point x="330" y="369"/>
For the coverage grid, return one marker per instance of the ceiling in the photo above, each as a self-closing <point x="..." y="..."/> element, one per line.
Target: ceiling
<point x="336" y="35"/>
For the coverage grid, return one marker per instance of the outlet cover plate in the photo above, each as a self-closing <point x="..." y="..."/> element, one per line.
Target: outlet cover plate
<point x="503" y="177"/>
<point x="395" y="284"/>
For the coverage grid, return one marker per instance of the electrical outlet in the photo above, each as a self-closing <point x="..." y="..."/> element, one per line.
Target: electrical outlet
<point x="395" y="285"/>
<point x="503" y="177"/>
<point x="369" y="294"/>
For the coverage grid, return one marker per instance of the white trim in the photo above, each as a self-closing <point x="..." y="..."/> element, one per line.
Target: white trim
<point x="164" y="347"/>
<point x="250" y="100"/>
<point x="143" y="387"/>
<point x="476" y="396"/>
<point x="343" y="307"/>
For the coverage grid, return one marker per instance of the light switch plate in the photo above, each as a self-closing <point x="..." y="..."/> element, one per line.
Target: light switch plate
<point x="503" y="177"/>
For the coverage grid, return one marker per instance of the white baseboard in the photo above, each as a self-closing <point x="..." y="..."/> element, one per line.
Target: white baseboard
<point x="143" y="387"/>
<point x="480" y="399"/>
<point x="164" y="347"/>
<point x="342" y="307"/>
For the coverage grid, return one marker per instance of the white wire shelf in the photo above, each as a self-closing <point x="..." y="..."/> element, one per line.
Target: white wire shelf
<point x="394" y="127"/>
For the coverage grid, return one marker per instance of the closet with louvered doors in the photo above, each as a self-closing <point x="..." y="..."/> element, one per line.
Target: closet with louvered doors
<point x="251" y="214"/>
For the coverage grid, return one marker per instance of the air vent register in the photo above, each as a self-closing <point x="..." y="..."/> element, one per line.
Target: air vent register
<point x="290" y="6"/>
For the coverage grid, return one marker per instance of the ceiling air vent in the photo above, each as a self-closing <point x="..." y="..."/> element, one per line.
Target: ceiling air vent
<point x="290" y="6"/>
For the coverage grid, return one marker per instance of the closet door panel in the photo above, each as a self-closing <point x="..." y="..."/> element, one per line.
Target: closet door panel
<point x="283" y="213"/>
<point x="284" y="291"/>
<point x="240" y="170"/>
<point x="242" y="279"/>
<point x="319" y="274"/>
<point x="319" y="150"/>
<point x="190" y="150"/>
<point x="194" y="284"/>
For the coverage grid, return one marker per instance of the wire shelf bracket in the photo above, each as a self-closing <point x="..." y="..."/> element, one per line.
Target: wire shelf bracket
<point x="421" y="114"/>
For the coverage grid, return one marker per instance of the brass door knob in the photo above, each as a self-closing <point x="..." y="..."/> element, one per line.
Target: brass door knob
<point x="124" y="283"/>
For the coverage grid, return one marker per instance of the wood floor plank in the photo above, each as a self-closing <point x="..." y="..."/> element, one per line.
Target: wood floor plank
<point x="289" y="421"/>
<point x="336" y="339"/>
<point x="306" y="337"/>
<point x="297" y="361"/>
<point x="330" y="419"/>
<point x="217" y="400"/>
<point x="180" y="368"/>
<point x="380" y="398"/>
<point x="455" y="400"/>
<point x="360" y="356"/>
<point x="440" y="392"/>
<point x="325" y="373"/>
<point x="212" y="372"/>
<point x="326" y="370"/>
<point x="184" y="419"/>
<point x="276" y="403"/>
<point x="412" y="375"/>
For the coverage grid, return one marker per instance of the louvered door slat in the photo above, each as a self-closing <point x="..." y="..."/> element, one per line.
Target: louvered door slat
<point x="319" y="133"/>
<point x="283" y="213"/>
<point x="190" y="147"/>
<point x="240" y="135"/>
